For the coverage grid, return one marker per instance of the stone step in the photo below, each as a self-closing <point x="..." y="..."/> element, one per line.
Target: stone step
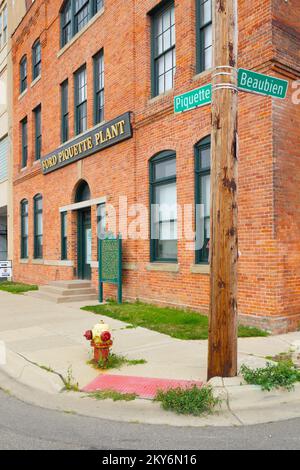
<point x="59" y="299"/>
<point x="59" y="290"/>
<point x="77" y="284"/>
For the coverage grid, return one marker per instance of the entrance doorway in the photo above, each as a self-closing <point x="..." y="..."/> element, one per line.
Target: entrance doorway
<point x="84" y="244"/>
<point x="84" y="231"/>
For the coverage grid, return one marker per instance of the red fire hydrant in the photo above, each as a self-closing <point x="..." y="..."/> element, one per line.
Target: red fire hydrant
<point x="101" y="342"/>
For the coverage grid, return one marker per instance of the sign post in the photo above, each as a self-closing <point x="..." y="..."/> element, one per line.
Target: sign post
<point x="222" y="342"/>
<point x="110" y="265"/>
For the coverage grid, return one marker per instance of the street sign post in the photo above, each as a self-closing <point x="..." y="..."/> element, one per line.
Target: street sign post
<point x="254" y="82"/>
<point x="192" y="99"/>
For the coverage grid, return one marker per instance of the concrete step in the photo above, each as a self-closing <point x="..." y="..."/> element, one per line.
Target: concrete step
<point x="59" y="299"/>
<point x="62" y="291"/>
<point x="77" y="284"/>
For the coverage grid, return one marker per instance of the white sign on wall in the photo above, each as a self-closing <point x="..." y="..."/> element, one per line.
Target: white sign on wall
<point x="5" y="269"/>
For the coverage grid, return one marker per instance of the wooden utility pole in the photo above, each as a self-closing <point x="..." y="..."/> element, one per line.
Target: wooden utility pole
<point x="222" y="354"/>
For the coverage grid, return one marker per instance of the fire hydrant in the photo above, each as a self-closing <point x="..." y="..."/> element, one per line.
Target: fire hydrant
<point x="100" y="338"/>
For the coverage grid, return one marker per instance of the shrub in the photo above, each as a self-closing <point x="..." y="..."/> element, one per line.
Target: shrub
<point x="273" y="376"/>
<point x="188" y="401"/>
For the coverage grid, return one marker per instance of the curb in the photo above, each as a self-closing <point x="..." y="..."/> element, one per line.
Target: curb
<point x="27" y="373"/>
<point x="242" y="404"/>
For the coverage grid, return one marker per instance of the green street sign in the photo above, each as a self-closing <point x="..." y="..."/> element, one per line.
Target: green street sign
<point x="193" y="99"/>
<point x="252" y="82"/>
<point x="262" y="84"/>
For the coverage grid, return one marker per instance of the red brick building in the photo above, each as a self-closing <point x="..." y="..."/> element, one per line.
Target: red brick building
<point x="79" y="67"/>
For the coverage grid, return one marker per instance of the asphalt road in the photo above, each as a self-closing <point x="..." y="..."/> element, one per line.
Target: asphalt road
<point x="26" y="427"/>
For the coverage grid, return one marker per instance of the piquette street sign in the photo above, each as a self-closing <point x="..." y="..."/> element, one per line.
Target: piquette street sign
<point x="87" y="144"/>
<point x="193" y="99"/>
<point x="252" y="82"/>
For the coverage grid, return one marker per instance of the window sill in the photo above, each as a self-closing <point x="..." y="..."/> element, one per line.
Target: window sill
<point x="200" y="269"/>
<point x="130" y="267"/>
<point x="163" y="267"/>
<point x="37" y="79"/>
<point x="125" y="266"/>
<point x="157" y="98"/>
<point x="38" y="261"/>
<point x="78" y="35"/>
<point x="60" y="262"/>
<point x="76" y="136"/>
<point x="24" y="261"/>
<point x="22" y="94"/>
<point x="203" y="75"/>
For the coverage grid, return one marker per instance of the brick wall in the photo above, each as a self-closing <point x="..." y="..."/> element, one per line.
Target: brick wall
<point x="269" y="277"/>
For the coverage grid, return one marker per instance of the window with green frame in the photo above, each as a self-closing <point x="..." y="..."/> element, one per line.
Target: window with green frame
<point x="64" y="235"/>
<point x="202" y="180"/>
<point x="80" y="101"/>
<point x="64" y="96"/>
<point x="163" y="49"/>
<point x="36" y="59"/>
<point x="204" y="34"/>
<point x="23" y="74"/>
<point x="74" y="15"/>
<point x="98" y="87"/>
<point x="163" y="200"/>
<point x="24" y="229"/>
<point x="38" y="132"/>
<point x="38" y="226"/>
<point x="24" y="137"/>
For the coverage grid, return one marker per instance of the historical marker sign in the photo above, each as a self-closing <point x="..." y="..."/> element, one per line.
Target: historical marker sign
<point x="110" y="265"/>
<point x="193" y="99"/>
<point x="262" y="84"/>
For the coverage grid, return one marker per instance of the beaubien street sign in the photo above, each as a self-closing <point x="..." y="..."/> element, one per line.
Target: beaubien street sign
<point x="262" y="84"/>
<point x="252" y="82"/>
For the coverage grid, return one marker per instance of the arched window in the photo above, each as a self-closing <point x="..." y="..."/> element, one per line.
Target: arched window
<point x="163" y="198"/>
<point x="36" y="59"/>
<point x="202" y="179"/>
<point x="24" y="228"/>
<point x="83" y="192"/>
<point x="23" y="74"/>
<point x="38" y="227"/>
<point x="75" y="14"/>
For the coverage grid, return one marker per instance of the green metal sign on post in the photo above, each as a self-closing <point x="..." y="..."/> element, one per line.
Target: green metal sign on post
<point x="110" y="264"/>
<point x="248" y="80"/>
<point x="262" y="84"/>
<point x="193" y="99"/>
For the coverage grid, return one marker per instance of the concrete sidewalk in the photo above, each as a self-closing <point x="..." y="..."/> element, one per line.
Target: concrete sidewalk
<point x="37" y="332"/>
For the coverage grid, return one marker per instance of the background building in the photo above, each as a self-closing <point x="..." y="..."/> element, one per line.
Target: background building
<point x="11" y="12"/>
<point x="87" y="63"/>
